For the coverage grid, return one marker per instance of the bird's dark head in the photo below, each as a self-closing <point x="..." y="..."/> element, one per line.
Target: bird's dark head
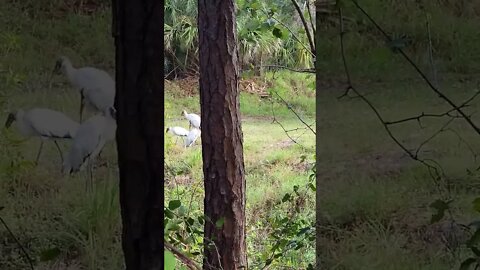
<point x="112" y="112"/>
<point x="58" y="66"/>
<point x="61" y="62"/>
<point x="11" y="117"/>
<point x="168" y="129"/>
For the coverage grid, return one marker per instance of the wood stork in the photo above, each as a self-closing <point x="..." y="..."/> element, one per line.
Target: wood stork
<point x="91" y="137"/>
<point x="177" y="131"/>
<point x="192" y="136"/>
<point x="97" y="88"/>
<point x="43" y="123"/>
<point x="194" y="119"/>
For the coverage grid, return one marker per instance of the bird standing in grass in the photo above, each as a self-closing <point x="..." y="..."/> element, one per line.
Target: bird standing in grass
<point x="193" y="118"/>
<point x="91" y="137"/>
<point x="178" y="132"/>
<point x="192" y="136"/>
<point x="43" y="123"/>
<point x="97" y="88"/>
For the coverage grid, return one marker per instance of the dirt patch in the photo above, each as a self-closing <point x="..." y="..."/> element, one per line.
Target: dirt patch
<point x="189" y="86"/>
<point x="383" y="163"/>
<point x="181" y="180"/>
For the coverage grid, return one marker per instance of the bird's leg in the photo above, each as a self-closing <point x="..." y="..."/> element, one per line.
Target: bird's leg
<point x="39" y="152"/>
<point x="59" y="150"/>
<point x="91" y="176"/>
<point x="82" y="102"/>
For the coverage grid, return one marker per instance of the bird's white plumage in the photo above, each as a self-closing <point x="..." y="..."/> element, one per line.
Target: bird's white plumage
<point x="89" y="141"/>
<point x="178" y="131"/>
<point x="192" y="136"/>
<point x="45" y="123"/>
<point x="97" y="85"/>
<point x="193" y="118"/>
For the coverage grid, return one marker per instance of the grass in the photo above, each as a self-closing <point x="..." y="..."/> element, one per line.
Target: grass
<point x="374" y="200"/>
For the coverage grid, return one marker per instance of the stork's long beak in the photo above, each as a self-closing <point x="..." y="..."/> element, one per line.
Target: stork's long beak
<point x="55" y="70"/>
<point x="10" y="119"/>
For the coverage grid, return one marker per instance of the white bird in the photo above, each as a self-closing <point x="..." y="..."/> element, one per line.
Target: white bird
<point x="91" y="137"/>
<point x="177" y="131"/>
<point x="192" y="137"/>
<point x="97" y="87"/>
<point x="193" y="118"/>
<point x="43" y="123"/>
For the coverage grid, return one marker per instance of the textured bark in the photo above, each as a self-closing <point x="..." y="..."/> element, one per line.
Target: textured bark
<point x="222" y="148"/>
<point x="318" y="22"/>
<point x="137" y="28"/>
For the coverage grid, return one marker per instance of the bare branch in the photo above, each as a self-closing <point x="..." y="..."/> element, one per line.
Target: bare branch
<point x="296" y="114"/>
<point x="305" y="25"/>
<point x="293" y="34"/>
<point x="310" y="70"/>
<point x="312" y="24"/>
<point x="433" y="170"/>
<point x="415" y="66"/>
<point x="182" y="257"/>
<point x="30" y="261"/>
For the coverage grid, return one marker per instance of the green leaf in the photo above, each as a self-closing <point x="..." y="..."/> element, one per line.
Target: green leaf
<point x="475" y="251"/>
<point x="277" y="32"/>
<point x="474" y="239"/>
<point x="182" y="210"/>
<point x="312" y="186"/>
<point x="190" y="221"/>
<point x="220" y="222"/>
<point x="172" y="205"/>
<point x="467" y="263"/>
<point x="170" y="260"/>
<point x="303" y="230"/>
<point x="49" y="254"/>
<point x="441" y="207"/>
<point x="286" y="197"/>
<point x="476" y="204"/>
<point x="168" y="214"/>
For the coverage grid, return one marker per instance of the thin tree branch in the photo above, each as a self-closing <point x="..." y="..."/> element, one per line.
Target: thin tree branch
<point x="311" y="70"/>
<point x="415" y="66"/>
<point x="296" y="114"/>
<point x="433" y="170"/>
<point x="30" y="261"/>
<point x="305" y="25"/>
<point x="291" y="32"/>
<point x="182" y="257"/>
<point x="312" y="24"/>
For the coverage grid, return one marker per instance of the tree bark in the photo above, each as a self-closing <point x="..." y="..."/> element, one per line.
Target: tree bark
<point x="222" y="149"/>
<point x="137" y="28"/>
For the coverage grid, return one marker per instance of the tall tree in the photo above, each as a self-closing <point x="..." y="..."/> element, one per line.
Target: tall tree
<point x="137" y="28"/>
<point x="222" y="148"/>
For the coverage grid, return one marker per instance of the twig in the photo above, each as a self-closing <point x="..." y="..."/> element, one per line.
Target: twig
<point x="30" y="261"/>
<point x="296" y="114"/>
<point x="433" y="170"/>
<point x="312" y="24"/>
<point x="419" y="71"/>
<point x="182" y="257"/>
<point x="291" y="32"/>
<point x="310" y="70"/>
<point x="305" y="25"/>
<point x="280" y="124"/>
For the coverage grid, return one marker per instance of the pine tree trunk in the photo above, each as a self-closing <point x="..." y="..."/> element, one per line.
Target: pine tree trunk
<point x="137" y="28"/>
<point x="222" y="148"/>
